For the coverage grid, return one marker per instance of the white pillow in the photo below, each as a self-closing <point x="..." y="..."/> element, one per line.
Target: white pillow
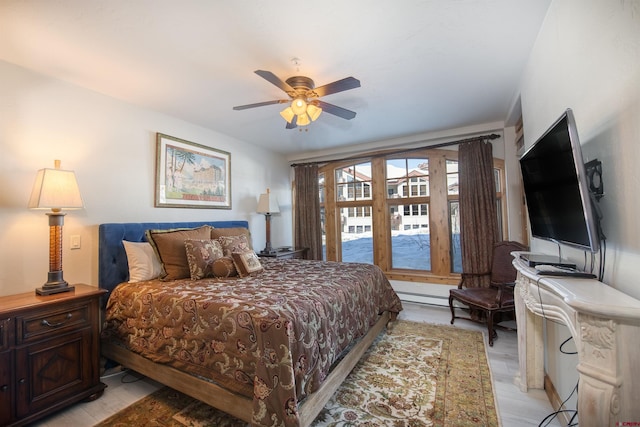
<point x="143" y="261"/>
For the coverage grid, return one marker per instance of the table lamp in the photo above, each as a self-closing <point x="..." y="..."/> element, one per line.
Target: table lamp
<point x="55" y="189"/>
<point x="268" y="205"/>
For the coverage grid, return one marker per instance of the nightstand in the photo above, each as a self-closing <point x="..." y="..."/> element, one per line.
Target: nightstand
<point x="295" y="253"/>
<point x="49" y="352"/>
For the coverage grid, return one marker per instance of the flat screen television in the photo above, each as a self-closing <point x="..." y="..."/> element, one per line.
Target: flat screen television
<point x="556" y="189"/>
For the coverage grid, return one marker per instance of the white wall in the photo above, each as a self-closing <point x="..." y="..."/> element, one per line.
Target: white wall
<point x="111" y="147"/>
<point x="587" y="57"/>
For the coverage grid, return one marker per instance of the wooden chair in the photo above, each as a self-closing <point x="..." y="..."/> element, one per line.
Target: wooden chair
<point x="498" y="297"/>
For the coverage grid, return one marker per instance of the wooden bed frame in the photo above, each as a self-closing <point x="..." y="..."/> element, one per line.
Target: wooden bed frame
<point x="112" y="256"/>
<point x="234" y="404"/>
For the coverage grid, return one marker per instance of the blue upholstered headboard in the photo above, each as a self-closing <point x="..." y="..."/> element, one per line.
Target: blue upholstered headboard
<point x="112" y="259"/>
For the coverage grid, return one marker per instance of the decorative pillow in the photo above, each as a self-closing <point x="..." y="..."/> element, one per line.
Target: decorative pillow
<point x="169" y="246"/>
<point x="246" y="263"/>
<point x="231" y="244"/>
<point x="200" y="255"/>
<point x="232" y="231"/>
<point x="143" y="261"/>
<point x="224" y="267"/>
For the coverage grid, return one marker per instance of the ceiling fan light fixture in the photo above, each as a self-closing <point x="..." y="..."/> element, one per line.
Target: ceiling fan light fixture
<point x="313" y="112"/>
<point x="299" y="106"/>
<point x="304" y="105"/>
<point x="287" y="114"/>
<point x="303" y="119"/>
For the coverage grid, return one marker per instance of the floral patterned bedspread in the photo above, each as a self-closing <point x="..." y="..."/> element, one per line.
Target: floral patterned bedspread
<point x="272" y="336"/>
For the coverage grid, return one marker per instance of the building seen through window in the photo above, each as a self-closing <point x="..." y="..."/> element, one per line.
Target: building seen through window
<point x="401" y="213"/>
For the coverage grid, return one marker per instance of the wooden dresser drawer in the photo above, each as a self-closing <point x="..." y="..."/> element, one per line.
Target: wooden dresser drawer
<point x="47" y="323"/>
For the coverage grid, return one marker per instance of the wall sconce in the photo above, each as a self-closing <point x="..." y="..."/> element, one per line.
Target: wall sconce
<point x="268" y="205"/>
<point x="55" y="189"/>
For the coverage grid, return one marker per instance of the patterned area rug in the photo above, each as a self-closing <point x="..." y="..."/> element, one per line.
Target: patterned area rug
<point x="418" y="375"/>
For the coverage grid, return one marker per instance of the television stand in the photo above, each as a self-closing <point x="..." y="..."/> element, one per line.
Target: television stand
<point x="605" y="325"/>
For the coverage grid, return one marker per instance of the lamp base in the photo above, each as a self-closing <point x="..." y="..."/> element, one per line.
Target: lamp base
<point x="55" y="285"/>
<point x="266" y="251"/>
<point x="54" y="290"/>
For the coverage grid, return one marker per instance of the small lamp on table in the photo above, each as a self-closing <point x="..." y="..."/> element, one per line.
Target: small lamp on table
<point x="55" y="189"/>
<point x="268" y="205"/>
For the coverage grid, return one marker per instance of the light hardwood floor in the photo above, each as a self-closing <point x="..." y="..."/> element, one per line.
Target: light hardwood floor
<point x="515" y="408"/>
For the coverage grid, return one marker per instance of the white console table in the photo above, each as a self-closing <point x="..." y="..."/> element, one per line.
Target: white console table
<point x="605" y="325"/>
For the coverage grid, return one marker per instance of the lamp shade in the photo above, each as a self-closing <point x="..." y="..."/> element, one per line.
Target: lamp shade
<point x="287" y="114"/>
<point x="303" y="119"/>
<point x="314" y="112"/>
<point x="267" y="204"/>
<point x="55" y="189"/>
<point x="299" y="106"/>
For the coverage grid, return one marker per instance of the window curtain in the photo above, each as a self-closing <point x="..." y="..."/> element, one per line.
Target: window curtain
<point x="307" y="228"/>
<point x="478" y="212"/>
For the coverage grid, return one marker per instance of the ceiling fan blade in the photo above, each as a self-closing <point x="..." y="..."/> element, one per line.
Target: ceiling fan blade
<point x="338" y="86"/>
<point x="260" y="104"/>
<point x="273" y="79"/>
<point x="293" y="123"/>
<point x="335" y="110"/>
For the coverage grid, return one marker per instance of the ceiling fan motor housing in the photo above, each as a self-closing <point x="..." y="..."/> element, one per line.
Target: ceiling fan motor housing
<point x="300" y="82"/>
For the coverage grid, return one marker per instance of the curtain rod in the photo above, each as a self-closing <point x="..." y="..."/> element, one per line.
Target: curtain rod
<point x="407" y="150"/>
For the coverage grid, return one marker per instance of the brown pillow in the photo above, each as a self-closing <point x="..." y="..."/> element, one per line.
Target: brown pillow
<point x="224" y="267"/>
<point x="246" y="263"/>
<point x="232" y="231"/>
<point x="169" y="245"/>
<point x="232" y="244"/>
<point x="200" y="255"/>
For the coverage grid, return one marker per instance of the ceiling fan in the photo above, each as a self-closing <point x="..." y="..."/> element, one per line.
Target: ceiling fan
<point x="303" y="95"/>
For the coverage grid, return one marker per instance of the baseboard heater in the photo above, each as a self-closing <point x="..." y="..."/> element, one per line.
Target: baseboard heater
<point x="424" y="299"/>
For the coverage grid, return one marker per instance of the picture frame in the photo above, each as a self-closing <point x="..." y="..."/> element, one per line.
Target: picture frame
<point x="190" y="175"/>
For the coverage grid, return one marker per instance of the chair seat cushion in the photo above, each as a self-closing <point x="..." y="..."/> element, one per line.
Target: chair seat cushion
<point x="479" y="297"/>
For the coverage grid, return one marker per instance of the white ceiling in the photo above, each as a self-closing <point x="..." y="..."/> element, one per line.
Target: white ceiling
<point x="424" y="65"/>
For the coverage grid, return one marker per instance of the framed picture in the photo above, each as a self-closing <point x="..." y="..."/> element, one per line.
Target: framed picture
<point x="190" y="175"/>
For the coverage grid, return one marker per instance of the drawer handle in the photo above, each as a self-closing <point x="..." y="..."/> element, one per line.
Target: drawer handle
<point x="4" y="388"/>
<point x="45" y="322"/>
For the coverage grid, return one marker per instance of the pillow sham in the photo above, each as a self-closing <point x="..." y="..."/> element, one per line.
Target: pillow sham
<point x="232" y="231"/>
<point x="200" y="256"/>
<point x="232" y="244"/>
<point x="143" y="261"/>
<point x="169" y="246"/>
<point x="224" y="267"/>
<point x="246" y="263"/>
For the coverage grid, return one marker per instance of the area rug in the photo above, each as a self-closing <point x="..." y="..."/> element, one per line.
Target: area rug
<point x="417" y="375"/>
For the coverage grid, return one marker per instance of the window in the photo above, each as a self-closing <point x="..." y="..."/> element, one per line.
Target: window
<point x="454" y="210"/>
<point x="455" y="249"/>
<point x="454" y="236"/>
<point x="323" y="220"/>
<point x="401" y="213"/>
<point x="348" y="219"/>
<point x="353" y="182"/>
<point x="415" y="210"/>
<point x="408" y="186"/>
<point x="452" y="177"/>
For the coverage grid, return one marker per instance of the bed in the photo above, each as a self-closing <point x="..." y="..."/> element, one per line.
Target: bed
<point x="269" y="348"/>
